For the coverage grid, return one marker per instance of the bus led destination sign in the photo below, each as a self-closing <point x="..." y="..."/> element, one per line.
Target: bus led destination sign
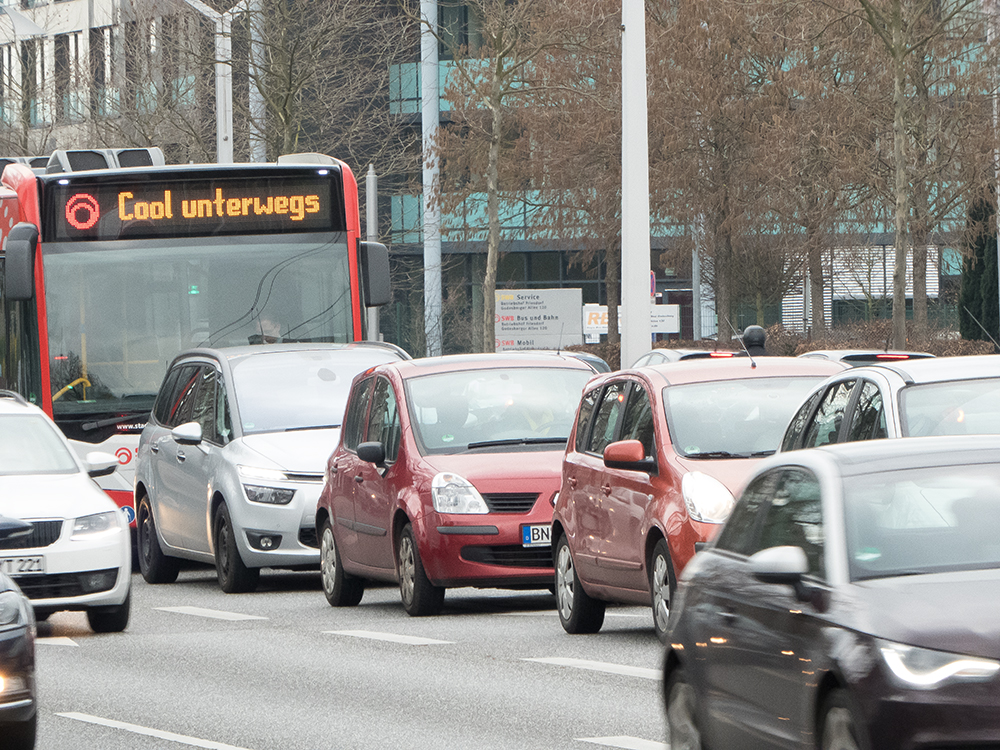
<point x="176" y="208"/>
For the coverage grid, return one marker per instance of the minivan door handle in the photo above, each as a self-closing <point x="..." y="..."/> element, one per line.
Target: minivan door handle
<point x="358" y="478"/>
<point x="607" y="489"/>
<point x="571" y="482"/>
<point x="181" y="457"/>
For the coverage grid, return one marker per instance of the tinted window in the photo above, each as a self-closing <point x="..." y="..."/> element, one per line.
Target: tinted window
<point x="383" y="422"/>
<point x="223" y="418"/>
<point x="606" y="418"/>
<point x="795" y="517"/>
<point x="357" y="410"/>
<point x="181" y="401"/>
<point x="869" y="415"/>
<point x="175" y="384"/>
<point x="161" y="410"/>
<point x="583" y="420"/>
<point x="798" y="423"/>
<point x="203" y="407"/>
<point x="825" y="425"/>
<point x="740" y="530"/>
<point x="637" y="423"/>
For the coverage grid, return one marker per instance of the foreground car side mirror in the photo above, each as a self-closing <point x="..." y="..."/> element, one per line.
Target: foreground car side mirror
<point x="629" y="455"/>
<point x="786" y="565"/>
<point x="188" y="433"/>
<point x="12" y="528"/>
<point x="101" y="464"/>
<point x="373" y="453"/>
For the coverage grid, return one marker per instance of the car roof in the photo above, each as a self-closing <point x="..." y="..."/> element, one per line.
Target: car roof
<point x="735" y="368"/>
<point x="867" y="356"/>
<point x="937" y="369"/>
<point x="355" y="350"/>
<point x="453" y="362"/>
<point x="596" y="363"/>
<point x="868" y="456"/>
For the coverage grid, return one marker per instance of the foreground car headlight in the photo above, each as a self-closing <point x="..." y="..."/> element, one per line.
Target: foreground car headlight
<point x="99" y="523"/>
<point x="707" y="499"/>
<point x="454" y="494"/>
<point x="269" y="495"/>
<point x="926" y="669"/>
<point x="13" y="611"/>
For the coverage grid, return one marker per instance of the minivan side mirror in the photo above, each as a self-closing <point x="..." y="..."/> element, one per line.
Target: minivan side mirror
<point x="629" y="455"/>
<point x="373" y="453"/>
<point x="188" y="433"/>
<point x="19" y="264"/>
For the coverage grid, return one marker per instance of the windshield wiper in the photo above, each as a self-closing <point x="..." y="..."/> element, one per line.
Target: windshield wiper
<point x="517" y="441"/>
<point x="88" y="426"/>
<point x="313" y="427"/>
<point x="717" y="454"/>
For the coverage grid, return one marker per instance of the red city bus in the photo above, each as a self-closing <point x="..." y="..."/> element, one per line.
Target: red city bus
<point x="106" y="274"/>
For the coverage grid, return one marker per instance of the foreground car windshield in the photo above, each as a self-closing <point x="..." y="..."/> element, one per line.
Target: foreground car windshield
<point x="732" y="418"/>
<point x="923" y="520"/>
<point x="297" y="390"/>
<point x="957" y="407"/>
<point x="30" y="445"/>
<point x="483" y="408"/>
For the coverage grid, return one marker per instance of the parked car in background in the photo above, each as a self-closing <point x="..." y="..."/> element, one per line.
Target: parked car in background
<point x="77" y="555"/>
<point x="18" y="694"/>
<point x="661" y="355"/>
<point x="852" y="601"/>
<point x="934" y="396"/>
<point x="857" y="357"/>
<point x="231" y="461"/>
<point x="445" y="476"/>
<point x="650" y="472"/>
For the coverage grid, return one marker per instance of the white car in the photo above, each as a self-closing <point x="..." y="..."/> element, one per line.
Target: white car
<point x="230" y="464"/>
<point x="78" y="553"/>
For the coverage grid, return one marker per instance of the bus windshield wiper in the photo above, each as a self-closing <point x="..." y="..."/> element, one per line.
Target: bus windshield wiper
<point x="88" y="426"/>
<point x="518" y="441"/>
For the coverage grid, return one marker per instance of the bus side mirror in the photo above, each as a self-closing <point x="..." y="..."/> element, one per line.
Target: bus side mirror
<point x="374" y="259"/>
<point x="19" y="251"/>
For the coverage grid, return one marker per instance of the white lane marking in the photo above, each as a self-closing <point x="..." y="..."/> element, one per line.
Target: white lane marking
<point x="214" y="614"/>
<point x="626" y="743"/>
<point x="600" y="666"/>
<point x="146" y="731"/>
<point x="410" y="640"/>
<point x="57" y="641"/>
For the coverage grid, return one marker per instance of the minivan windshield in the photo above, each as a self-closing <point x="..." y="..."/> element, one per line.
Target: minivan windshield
<point x="739" y="418"/>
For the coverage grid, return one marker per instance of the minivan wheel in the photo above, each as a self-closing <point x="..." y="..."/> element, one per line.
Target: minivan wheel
<point x="340" y="589"/>
<point x="578" y="611"/>
<point x="661" y="586"/>
<point x="234" y="576"/>
<point x="682" y="724"/>
<point x="420" y="597"/>
<point x="155" y="566"/>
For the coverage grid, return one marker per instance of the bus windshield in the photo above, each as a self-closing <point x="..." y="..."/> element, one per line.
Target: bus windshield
<point x="119" y="311"/>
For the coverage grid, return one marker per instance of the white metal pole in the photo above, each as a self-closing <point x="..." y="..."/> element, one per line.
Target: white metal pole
<point x="371" y="220"/>
<point x="258" y="109"/>
<point x="224" y="89"/>
<point x="432" y="213"/>
<point x="635" y="318"/>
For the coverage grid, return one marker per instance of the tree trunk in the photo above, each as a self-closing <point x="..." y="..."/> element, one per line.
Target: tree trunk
<point x="898" y="149"/>
<point x="488" y="343"/>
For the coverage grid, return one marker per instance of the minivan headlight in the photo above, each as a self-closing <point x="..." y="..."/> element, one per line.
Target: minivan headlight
<point x="707" y="499"/>
<point x="926" y="669"/>
<point x="98" y="523"/>
<point x="454" y="494"/>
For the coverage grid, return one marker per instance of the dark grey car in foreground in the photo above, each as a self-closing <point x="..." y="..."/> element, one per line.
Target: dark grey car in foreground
<point x="18" y="701"/>
<point x="852" y="600"/>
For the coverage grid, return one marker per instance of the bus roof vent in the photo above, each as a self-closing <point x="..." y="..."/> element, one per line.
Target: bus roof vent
<point x="103" y="158"/>
<point x="36" y="163"/>
<point x="323" y="159"/>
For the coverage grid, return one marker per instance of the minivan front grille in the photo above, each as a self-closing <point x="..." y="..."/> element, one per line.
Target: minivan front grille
<point x="43" y="533"/>
<point x="512" y="555"/>
<point x="510" y="502"/>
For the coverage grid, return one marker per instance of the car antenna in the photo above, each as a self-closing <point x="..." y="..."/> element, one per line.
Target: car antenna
<point x="996" y="346"/>
<point x="753" y="364"/>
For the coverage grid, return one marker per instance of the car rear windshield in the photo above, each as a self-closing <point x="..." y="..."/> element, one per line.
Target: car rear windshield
<point x="955" y="407"/>
<point x="923" y="520"/>
<point x="29" y="444"/>
<point x="732" y="418"/>
<point x="494" y="409"/>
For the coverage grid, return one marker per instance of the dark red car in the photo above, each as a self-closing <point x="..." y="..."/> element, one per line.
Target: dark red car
<point x="445" y="476"/>
<point x="651" y="469"/>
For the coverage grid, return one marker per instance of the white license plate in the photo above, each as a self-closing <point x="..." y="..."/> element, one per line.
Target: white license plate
<point x="22" y="566"/>
<point x="536" y="536"/>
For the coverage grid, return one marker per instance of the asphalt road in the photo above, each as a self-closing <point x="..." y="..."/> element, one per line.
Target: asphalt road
<point x="281" y="669"/>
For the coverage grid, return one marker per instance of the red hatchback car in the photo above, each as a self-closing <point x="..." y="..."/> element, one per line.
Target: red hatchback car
<point x="651" y="469"/>
<point x="445" y="476"/>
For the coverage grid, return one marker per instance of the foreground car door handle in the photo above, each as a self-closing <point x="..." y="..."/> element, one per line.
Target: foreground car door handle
<point x="154" y="448"/>
<point x="728" y="616"/>
<point x="358" y="478"/>
<point x="181" y="457"/>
